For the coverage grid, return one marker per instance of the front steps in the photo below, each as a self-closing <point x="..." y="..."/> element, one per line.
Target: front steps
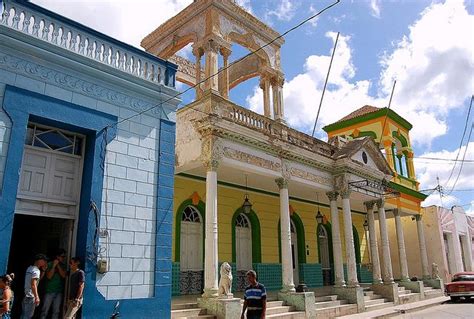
<point x="406" y="296"/>
<point x="431" y="292"/>
<point x="275" y="309"/>
<point x="189" y="311"/>
<point x="374" y="302"/>
<point x="330" y="307"/>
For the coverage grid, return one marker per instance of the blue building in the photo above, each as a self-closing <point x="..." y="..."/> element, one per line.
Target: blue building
<point x="87" y="129"/>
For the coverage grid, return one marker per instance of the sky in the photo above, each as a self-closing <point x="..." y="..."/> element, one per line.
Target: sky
<point x="426" y="46"/>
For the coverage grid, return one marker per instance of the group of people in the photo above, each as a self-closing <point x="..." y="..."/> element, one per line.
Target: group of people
<point x="56" y="273"/>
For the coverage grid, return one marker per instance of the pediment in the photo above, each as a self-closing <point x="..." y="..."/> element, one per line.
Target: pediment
<point x="364" y="151"/>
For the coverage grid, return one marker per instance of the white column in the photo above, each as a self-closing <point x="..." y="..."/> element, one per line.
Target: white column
<point x="423" y="255"/>
<point x="349" y="236"/>
<point x="265" y="86"/>
<point x="402" y="255"/>
<point x="225" y="52"/>
<point x="374" y="250"/>
<point x="467" y="249"/>
<point x="286" y="256"/>
<point x="387" y="260"/>
<point x="277" y="90"/>
<point x="198" y="54"/>
<point x="336" y="241"/>
<point x="211" y="256"/>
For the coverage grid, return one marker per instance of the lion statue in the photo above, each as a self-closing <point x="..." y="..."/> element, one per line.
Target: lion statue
<point x="435" y="271"/>
<point x="225" y="283"/>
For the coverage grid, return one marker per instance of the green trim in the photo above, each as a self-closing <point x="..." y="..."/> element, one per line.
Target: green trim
<point x="401" y="138"/>
<point x="367" y="117"/>
<point x="256" y="238"/>
<point x="407" y="191"/>
<point x="201" y="207"/>
<point x="255" y="190"/>
<point x="366" y="133"/>
<point x="300" y="237"/>
<point x="328" y="228"/>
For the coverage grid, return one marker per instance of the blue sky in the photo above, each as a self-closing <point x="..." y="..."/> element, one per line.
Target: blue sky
<point x="427" y="46"/>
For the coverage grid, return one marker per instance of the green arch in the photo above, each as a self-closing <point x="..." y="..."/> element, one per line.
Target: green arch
<point x="256" y="239"/>
<point x="201" y="207"/>
<point x="300" y="235"/>
<point x="366" y="133"/>
<point x="328" y="228"/>
<point x="401" y="138"/>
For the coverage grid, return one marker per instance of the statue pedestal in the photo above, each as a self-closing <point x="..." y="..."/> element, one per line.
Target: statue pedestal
<point x="222" y="307"/>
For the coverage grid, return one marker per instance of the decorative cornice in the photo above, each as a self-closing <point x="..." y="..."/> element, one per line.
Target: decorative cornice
<point x="73" y="83"/>
<point x="251" y="159"/>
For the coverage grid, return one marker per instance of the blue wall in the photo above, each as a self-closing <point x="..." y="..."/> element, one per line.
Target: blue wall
<point x="21" y="106"/>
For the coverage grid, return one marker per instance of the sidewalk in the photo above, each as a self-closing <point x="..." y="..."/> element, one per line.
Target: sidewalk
<point x="397" y="310"/>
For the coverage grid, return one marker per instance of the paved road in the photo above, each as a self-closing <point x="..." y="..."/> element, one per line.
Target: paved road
<point x="447" y="310"/>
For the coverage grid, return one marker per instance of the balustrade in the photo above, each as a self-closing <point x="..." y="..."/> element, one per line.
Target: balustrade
<point x="69" y="35"/>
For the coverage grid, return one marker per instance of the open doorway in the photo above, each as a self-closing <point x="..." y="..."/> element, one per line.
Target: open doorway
<point x="32" y="235"/>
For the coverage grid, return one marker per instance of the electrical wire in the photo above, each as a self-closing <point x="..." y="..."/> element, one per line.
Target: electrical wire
<point x="461" y="142"/>
<point x="227" y="67"/>
<point x="464" y="155"/>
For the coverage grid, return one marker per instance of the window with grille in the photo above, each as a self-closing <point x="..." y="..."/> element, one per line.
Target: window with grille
<point x="191" y="214"/>
<point x="54" y="139"/>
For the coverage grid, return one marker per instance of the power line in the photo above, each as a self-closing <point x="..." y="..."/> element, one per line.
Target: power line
<point x="462" y="139"/>
<point x="227" y="67"/>
<point x="388" y="107"/>
<point x="443" y="159"/>
<point x="325" y="83"/>
<point x="464" y="155"/>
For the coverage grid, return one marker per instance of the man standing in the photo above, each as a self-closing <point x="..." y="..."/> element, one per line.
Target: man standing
<point x="76" y="288"/>
<point x="56" y="273"/>
<point x="255" y="298"/>
<point x="32" y="277"/>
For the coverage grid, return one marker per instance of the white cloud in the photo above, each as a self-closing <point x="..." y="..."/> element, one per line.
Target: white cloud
<point x="433" y="66"/>
<point x="124" y="20"/>
<point x="245" y="4"/>
<point x="375" y="8"/>
<point x="284" y="11"/>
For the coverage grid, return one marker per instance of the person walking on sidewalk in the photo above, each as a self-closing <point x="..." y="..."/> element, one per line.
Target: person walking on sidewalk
<point x="255" y="298"/>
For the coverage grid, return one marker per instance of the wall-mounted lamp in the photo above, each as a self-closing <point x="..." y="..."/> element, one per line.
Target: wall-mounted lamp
<point x="366" y="224"/>
<point x="319" y="216"/>
<point x="246" y="206"/>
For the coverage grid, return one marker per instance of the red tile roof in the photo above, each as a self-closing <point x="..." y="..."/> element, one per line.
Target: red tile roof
<point x="366" y="109"/>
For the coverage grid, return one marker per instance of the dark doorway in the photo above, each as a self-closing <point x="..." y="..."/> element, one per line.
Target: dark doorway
<point x="32" y="235"/>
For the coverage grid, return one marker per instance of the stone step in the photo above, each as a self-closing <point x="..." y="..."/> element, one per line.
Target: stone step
<point x="271" y="304"/>
<point x="188" y="305"/>
<point x="333" y="312"/>
<point x="408" y="298"/>
<point x="188" y="313"/>
<point x="434" y="293"/>
<point x="288" y="315"/>
<point x="375" y="301"/>
<point x="368" y="293"/>
<point x="280" y="309"/>
<point x="333" y="303"/>
<point x="372" y="296"/>
<point x="326" y="298"/>
<point x="379" y="306"/>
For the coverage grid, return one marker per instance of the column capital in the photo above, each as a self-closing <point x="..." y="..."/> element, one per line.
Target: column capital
<point x="418" y="217"/>
<point x="281" y="182"/>
<point x="198" y="52"/>
<point x="345" y="193"/>
<point x="278" y="80"/>
<point x="225" y="52"/>
<point x="380" y="203"/>
<point x="396" y="212"/>
<point x="369" y="205"/>
<point x="332" y="195"/>
<point x="211" y="164"/>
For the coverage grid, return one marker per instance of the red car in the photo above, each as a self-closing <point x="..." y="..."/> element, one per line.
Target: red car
<point x="462" y="285"/>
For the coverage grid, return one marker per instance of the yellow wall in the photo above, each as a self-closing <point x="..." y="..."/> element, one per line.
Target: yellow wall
<point x="267" y="208"/>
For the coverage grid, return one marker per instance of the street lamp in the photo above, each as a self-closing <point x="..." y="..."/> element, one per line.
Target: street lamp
<point x="319" y="216"/>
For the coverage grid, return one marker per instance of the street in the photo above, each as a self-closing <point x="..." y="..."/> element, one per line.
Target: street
<point x="447" y="310"/>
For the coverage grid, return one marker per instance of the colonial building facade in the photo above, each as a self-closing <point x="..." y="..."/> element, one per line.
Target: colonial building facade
<point x="251" y="191"/>
<point x="76" y="170"/>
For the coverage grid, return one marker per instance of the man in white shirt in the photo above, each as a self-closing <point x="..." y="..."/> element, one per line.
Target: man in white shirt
<point x="32" y="277"/>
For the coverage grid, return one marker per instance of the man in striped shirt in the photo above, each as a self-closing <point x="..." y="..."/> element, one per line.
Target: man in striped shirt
<point x="255" y="298"/>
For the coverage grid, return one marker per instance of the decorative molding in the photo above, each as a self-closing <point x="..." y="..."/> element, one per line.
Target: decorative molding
<point x="282" y="183"/>
<point x="369" y="205"/>
<point x="380" y="203"/>
<point x="332" y="196"/>
<point x="211" y="152"/>
<point x="74" y="83"/>
<point x="251" y="159"/>
<point x="310" y="176"/>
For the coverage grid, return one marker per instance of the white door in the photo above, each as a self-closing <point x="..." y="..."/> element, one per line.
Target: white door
<point x="191" y="240"/>
<point x="243" y="243"/>
<point x="294" y="254"/>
